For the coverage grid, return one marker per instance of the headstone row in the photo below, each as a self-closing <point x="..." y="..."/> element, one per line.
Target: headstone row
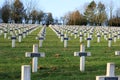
<point x="14" y="31"/>
<point x="63" y="36"/>
<point x="41" y="36"/>
<point x="88" y="33"/>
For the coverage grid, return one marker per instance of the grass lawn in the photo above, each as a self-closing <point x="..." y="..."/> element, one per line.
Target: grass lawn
<point x="52" y="67"/>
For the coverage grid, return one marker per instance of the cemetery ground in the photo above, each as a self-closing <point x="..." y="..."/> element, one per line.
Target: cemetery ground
<point x="59" y="62"/>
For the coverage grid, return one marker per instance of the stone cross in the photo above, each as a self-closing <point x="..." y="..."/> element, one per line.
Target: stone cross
<point x="35" y="54"/>
<point x="25" y="72"/>
<point x="65" y="40"/>
<point x="82" y="55"/>
<point x="110" y="73"/>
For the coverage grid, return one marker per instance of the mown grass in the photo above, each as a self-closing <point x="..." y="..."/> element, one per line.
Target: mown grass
<point x="52" y="67"/>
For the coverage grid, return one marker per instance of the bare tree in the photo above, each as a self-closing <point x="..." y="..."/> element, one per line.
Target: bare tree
<point x="30" y="6"/>
<point x="111" y="9"/>
<point x="75" y="18"/>
<point x="118" y="13"/>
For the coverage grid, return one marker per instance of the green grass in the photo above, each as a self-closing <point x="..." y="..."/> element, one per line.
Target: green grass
<point x="63" y="67"/>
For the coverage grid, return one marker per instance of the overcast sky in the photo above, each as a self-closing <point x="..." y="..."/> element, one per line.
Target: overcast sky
<point x="60" y="7"/>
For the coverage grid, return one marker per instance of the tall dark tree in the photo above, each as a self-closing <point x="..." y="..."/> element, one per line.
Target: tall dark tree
<point x="49" y="19"/>
<point x="90" y="13"/>
<point x="0" y="13"/>
<point x="100" y="16"/>
<point x="18" y="11"/>
<point x="5" y="12"/>
<point x="114" y="22"/>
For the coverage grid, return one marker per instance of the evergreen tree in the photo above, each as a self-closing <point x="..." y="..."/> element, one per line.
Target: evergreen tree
<point x="5" y="13"/>
<point x="49" y="19"/>
<point x="101" y="16"/>
<point x="90" y="13"/>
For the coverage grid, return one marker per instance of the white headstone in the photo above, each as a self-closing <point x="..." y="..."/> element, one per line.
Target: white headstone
<point x="98" y="38"/>
<point x="109" y="42"/>
<point x="25" y="72"/>
<point x="40" y="41"/>
<point x="13" y="38"/>
<point x="88" y="42"/>
<point x="65" y="40"/>
<point x="5" y="34"/>
<point x="105" y="36"/>
<point x="59" y="34"/>
<point x="110" y="73"/>
<point x="62" y="36"/>
<point x="115" y="37"/>
<point x="110" y="70"/>
<point x="85" y="33"/>
<point x="118" y="35"/>
<point x="35" y="54"/>
<point x="20" y="38"/>
<point x="81" y="36"/>
<point x="117" y="53"/>
<point x="24" y="34"/>
<point x="82" y="55"/>
<point x="75" y="34"/>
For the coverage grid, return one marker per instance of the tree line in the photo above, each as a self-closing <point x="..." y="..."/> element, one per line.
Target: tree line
<point x="94" y="14"/>
<point x="17" y="13"/>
